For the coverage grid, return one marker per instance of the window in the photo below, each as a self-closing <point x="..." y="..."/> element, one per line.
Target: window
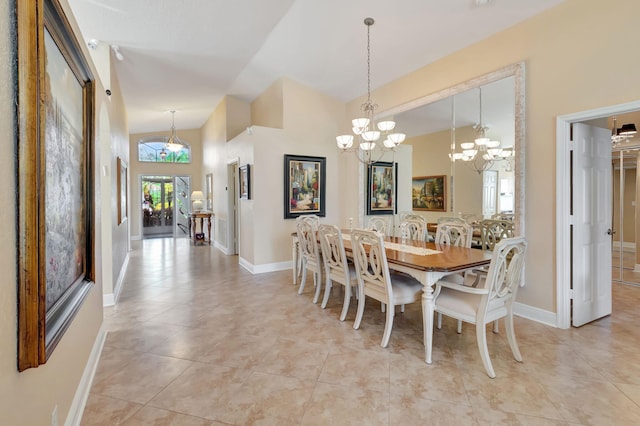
<point x="150" y="150"/>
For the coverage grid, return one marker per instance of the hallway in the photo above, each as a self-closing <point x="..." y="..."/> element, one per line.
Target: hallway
<point x="197" y="340"/>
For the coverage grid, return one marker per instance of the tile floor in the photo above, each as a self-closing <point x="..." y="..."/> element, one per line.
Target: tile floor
<point x="197" y="340"/>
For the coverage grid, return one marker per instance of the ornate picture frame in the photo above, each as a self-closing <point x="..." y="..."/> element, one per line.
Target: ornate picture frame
<point x="429" y="193"/>
<point x="382" y="187"/>
<point x="304" y="185"/>
<point x="55" y="179"/>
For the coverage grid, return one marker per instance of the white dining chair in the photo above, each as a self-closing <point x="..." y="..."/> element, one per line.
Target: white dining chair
<point x="378" y="224"/>
<point x="314" y="220"/>
<point x="375" y="281"/>
<point x="310" y="255"/>
<point x="336" y="267"/>
<point x="456" y="233"/>
<point x="490" y="300"/>
<point x="413" y="227"/>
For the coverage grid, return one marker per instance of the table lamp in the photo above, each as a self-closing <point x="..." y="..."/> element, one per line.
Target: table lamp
<point x="196" y="198"/>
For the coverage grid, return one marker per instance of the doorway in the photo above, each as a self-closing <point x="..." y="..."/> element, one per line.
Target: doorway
<point x="165" y="206"/>
<point x="565" y="206"/>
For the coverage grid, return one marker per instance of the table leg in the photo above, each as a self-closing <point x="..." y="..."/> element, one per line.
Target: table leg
<point x="427" y="318"/>
<point x="428" y="309"/>
<point x="209" y="228"/>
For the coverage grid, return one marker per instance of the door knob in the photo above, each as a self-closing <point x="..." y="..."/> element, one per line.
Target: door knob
<point x="610" y="231"/>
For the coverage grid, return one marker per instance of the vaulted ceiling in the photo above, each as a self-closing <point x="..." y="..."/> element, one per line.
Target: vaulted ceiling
<point x="186" y="55"/>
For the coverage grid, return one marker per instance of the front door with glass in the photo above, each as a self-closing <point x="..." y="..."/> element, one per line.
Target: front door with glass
<point x="157" y="206"/>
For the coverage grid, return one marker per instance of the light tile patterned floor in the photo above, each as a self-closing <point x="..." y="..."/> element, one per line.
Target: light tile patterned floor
<point x="197" y="340"/>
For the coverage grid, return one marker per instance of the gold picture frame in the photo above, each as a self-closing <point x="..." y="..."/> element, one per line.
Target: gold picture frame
<point x="55" y="178"/>
<point x="429" y="193"/>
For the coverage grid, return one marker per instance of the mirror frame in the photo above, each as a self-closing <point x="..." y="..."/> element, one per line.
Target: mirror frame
<point x="516" y="70"/>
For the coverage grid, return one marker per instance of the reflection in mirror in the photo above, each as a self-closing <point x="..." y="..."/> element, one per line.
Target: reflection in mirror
<point x="482" y="184"/>
<point x="484" y="140"/>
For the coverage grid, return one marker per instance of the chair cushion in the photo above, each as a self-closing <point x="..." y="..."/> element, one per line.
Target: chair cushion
<point x="405" y="286"/>
<point x="457" y="301"/>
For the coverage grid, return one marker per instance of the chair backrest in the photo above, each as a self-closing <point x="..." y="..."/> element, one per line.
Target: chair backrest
<point x="370" y="260"/>
<point x="450" y="219"/>
<point x="492" y="231"/>
<point x="454" y="233"/>
<point x="413" y="228"/>
<point x="378" y="224"/>
<point x="333" y="254"/>
<point x="505" y="273"/>
<point x="308" y="243"/>
<point x="503" y="216"/>
<point x="313" y="219"/>
<point x="403" y="215"/>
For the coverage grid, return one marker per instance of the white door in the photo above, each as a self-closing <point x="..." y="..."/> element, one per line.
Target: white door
<point x="489" y="193"/>
<point x="592" y="201"/>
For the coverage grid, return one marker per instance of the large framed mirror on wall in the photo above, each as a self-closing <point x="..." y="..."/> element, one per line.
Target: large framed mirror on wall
<point x="439" y="127"/>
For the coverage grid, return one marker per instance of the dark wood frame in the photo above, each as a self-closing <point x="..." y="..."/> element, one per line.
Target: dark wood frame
<point x="40" y="329"/>
<point x="123" y="197"/>
<point x="290" y="194"/>
<point x="440" y="205"/>
<point x="372" y="207"/>
<point x="245" y="182"/>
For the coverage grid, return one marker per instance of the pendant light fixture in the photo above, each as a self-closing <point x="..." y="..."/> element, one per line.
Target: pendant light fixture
<point x="174" y="144"/>
<point x="366" y="131"/>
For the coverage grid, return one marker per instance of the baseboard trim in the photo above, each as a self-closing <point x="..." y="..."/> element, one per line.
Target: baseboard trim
<point x="111" y="299"/>
<point x="136" y="237"/>
<point x="84" y="387"/>
<point x="264" y="268"/>
<point x="222" y="248"/>
<point x="535" y="314"/>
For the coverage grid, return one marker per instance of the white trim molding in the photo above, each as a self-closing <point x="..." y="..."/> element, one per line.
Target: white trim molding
<point x="563" y="201"/>
<point x="82" y="391"/>
<point x="111" y="299"/>
<point x="535" y="314"/>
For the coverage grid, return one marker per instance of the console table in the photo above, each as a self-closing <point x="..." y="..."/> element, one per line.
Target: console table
<point x="197" y="233"/>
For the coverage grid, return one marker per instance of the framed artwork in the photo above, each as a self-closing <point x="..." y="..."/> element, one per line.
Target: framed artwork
<point x="382" y="188"/>
<point x="304" y="185"/>
<point x="55" y="179"/>
<point x="429" y="193"/>
<point x="122" y="190"/>
<point x="245" y="182"/>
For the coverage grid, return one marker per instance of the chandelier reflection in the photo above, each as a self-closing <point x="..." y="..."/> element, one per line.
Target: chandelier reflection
<point x="372" y="139"/>
<point x="482" y="153"/>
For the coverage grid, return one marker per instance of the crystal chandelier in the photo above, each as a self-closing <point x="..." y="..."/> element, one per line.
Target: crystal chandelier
<point x="367" y="132"/>
<point x="483" y="152"/>
<point x="622" y="134"/>
<point x="174" y="144"/>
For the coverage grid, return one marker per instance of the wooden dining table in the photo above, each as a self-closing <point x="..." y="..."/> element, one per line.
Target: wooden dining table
<point x="437" y="262"/>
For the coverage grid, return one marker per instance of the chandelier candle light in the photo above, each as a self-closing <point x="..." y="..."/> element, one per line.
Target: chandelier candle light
<point x="481" y="153"/>
<point x="365" y="129"/>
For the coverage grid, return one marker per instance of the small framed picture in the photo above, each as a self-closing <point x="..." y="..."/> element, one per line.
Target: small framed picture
<point x="245" y="182"/>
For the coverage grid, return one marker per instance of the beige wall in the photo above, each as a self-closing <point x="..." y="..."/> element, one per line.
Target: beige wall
<point x="29" y="398"/>
<point x="310" y="120"/>
<point x="567" y="52"/>
<point x="137" y="169"/>
<point x="267" y="110"/>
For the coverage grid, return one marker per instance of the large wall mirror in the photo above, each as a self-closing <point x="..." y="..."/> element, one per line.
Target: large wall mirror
<point x="438" y="126"/>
